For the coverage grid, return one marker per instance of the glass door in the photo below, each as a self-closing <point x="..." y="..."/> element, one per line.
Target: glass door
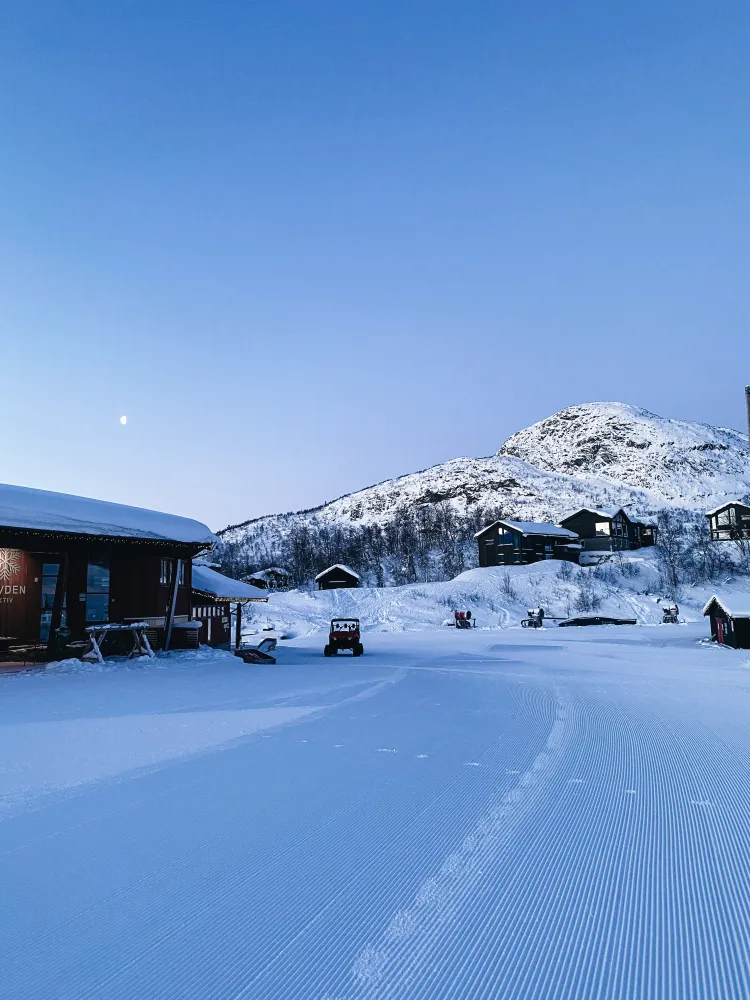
<point x="50" y="572"/>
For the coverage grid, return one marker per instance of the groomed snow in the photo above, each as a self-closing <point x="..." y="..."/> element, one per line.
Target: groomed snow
<point x="464" y="814"/>
<point x="40" y="510"/>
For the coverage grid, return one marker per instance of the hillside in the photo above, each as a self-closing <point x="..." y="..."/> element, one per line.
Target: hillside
<point x="603" y="454"/>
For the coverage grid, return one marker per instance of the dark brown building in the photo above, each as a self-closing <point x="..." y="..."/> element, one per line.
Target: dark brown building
<point x="213" y="597"/>
<point x="337" y="576"/>
<point x="508" y="543"/>
<point x="606" y="530"/>
<point x="729" y="627"/>
<point x="730" y="522"/>
<point x="68" y="562"/>
<point x="273" y="578"/>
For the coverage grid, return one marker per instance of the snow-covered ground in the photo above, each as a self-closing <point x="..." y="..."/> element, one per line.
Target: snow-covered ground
<point x="493" y="813"/>
<point x="497" y="597"/>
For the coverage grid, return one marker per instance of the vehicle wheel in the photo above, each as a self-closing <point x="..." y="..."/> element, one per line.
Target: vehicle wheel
<point x="358" y="649"/>
<point x="326" y="650"/>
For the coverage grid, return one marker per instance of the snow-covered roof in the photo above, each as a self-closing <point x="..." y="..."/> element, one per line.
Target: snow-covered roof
<point x="608" y="513"/>
<point x="346" y="569"/>
<point x="533" y="528"/>
<point x="224" y="588"/>
<point x="733" y="612"/>
<point x="727" y="503"/>
<point x="262" y="573"/>
<point x="39" y="510"/>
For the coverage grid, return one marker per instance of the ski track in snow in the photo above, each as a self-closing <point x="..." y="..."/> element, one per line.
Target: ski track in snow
<point x="601" y="849"/>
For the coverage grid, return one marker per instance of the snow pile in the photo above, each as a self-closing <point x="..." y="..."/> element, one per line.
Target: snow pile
<point x="497" y="597"/>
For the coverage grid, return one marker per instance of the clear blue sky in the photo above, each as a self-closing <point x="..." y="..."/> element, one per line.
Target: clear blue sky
<point x="306" y="246"/>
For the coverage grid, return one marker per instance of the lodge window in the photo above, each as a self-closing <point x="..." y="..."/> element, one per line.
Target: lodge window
<point x="602" y="528"/>
<point x="165" y="576"/>
<point x="725" y="517"/>
<point x="97" y="590"/>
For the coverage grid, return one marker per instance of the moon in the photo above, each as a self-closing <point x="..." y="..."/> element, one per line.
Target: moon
<point x="123" y="420"/>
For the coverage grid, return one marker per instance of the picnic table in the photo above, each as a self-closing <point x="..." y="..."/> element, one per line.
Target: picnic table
<point x="98" y="633"/>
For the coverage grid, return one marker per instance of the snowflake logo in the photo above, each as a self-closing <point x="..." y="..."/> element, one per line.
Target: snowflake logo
<point x="10" y="563"/>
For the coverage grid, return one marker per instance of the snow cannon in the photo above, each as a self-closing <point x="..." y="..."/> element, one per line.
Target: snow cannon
<point x="463" y="619"/>
<point x="535" y="618"/>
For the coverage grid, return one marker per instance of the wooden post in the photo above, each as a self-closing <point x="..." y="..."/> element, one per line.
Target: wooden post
<point x="238" y="627"/>
<point x="747" y="407"/>
<point x="61" y="585"/>
<point x="169" y="618"/>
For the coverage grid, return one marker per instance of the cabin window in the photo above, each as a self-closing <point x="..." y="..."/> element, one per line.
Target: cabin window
<point x="725" y="517"/>
<point x="97" y="590"/>
<point x="602" y="528"/>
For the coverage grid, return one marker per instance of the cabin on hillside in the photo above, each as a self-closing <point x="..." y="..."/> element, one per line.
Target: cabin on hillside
<point x="514" y="543"/>
<point x="273" y="578"/>
<point x="606" y="530"/>
<point x="730" y="627"/>
<point x="730" y="522"/>
<point x="68" y="563"/>
<point x="647" y="533"/>
<point x="336" y="577"/>
<point x="213" y="595"/>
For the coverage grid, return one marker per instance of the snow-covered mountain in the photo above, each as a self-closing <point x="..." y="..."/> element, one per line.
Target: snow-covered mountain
<point x="678" y="461"/>
<point x="602" y="454"/>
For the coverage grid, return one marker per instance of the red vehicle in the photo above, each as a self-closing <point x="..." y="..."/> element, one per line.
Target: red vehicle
<point x="344" y="634"/>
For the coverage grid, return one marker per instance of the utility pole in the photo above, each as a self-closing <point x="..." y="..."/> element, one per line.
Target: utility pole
<point x="747" y="406"/>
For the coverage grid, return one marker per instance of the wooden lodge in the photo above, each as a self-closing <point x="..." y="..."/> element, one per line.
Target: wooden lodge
<point x="730" y="522"/>
<point x="609" y="530"/>
<point x="730" y="627"/>
<point x="213" y="595"/>
<point x="507" y="543"/>
<point x="68" y="563"/>
<point x="337" y="576"/>
<point x="273" y="578"/>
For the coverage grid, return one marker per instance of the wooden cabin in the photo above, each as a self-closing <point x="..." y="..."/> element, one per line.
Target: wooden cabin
<point x="603" y="530"/>
<point x="336" y="577"/>
<point x="730" y="627"/>
<point x="68" y="562"/>
<point x="213" y="595"/>
<point x="647" y="533"/>
<point x="273" y="578"/>
<point x="513" y="543"/>
<point x="730" y="522"/>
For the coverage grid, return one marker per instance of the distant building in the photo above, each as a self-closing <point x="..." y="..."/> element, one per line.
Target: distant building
<point x="508" y="543"/>
<point x="646" y="533"/>
<point x="608" y="530"/>
<point x="730" y="627"/>
<point x="273" y="578"/>
<point x="337" y="576"/>
<point x="730" y="522"/>
<point x="212" y="597"/>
